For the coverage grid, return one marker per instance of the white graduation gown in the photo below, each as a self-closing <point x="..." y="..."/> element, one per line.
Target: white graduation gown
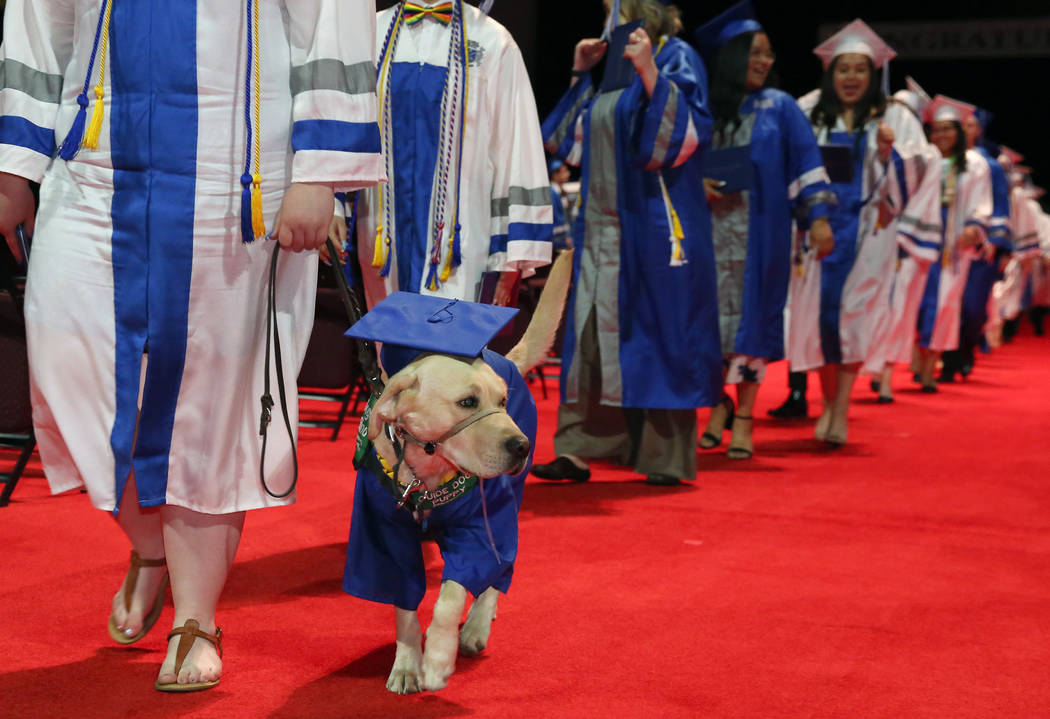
<point x="138" y="244"/>
<point x="505" y="201"/>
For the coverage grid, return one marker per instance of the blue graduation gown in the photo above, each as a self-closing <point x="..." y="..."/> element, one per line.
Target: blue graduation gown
<point x="789" y="180"/>
<point x="384" y="558"/>
<point x="657" y="319"/>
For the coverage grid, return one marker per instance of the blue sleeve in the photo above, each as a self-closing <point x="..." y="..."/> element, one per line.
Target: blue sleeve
<point x="675" y="122"/>
<point x="559" y="129"/>
<point x="809" y="189"/>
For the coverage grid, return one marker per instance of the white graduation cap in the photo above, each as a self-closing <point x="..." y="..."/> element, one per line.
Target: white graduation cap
<point x="945" y="108"/>
<point x="1009" y="156"/>
<point x="859" y="38"/>
<point x="914" y="97"/>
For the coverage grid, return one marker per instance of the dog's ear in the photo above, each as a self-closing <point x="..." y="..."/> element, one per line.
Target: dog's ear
<point x="391" y="402"/>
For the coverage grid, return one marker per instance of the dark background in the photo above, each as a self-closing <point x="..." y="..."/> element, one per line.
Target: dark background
<point x="1014" y="89"/>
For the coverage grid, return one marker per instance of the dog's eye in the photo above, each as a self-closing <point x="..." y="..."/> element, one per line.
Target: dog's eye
<point x="503" y="402"/>
<point x="469" y="403"/>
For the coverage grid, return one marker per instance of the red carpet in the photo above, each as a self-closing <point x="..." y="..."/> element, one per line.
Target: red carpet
<point x="906" y="575"/>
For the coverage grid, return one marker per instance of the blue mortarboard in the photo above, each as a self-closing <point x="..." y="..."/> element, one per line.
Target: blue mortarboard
<point x="409" y="324"/>
<point x="554" y="165"/>
<point x="737" y="20"/>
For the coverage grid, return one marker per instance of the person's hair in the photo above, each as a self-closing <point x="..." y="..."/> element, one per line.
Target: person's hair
<point x="729" y="82"/>
<point x="959" y="148"/>
<point x="829" y="107"/>
<point x="659" y="21"/>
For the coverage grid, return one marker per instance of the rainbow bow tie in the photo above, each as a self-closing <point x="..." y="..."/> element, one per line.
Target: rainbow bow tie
<point x="415" y="12"/>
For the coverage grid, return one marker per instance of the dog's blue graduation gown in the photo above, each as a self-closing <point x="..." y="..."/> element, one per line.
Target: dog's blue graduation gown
<point x="384" y="559"/>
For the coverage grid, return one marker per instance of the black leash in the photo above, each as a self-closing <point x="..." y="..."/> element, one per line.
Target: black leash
<point x="267" y="398"/>
<point x="366" y="355"/>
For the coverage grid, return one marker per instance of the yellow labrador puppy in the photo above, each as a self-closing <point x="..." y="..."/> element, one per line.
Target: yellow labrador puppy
<point x="444" y="450"/>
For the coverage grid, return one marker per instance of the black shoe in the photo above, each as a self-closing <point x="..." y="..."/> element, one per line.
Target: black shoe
<point x="929" y="388"/>
<point x="794" y="407"/>
<point x="946" y="377"/>
<point x="662" y="480"/>
<point x="875" y="385"/>
<point x="965" y="370"/>
<point x="885" y="400"/>
<point x="561" y="468"/>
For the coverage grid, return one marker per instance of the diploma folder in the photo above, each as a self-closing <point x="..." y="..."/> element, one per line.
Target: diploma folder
<point x="619" y="71"/>
<point x="838" y="161"/>
<point x="731" y="166"/>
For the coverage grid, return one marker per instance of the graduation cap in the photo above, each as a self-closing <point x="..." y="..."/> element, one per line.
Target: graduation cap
<point x="409" y="324"/>
<point x="913" y="96"/>
<point x="859" y="38"/>
<point x="984" y="117"/>
<point x="944" y="108"/>
<point x="1009" y="156"/>
<point x="715" y="33"/>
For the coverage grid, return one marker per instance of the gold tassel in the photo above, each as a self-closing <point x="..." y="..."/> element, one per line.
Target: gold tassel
<point x="94" y="128"/>
<point x="258" y="223"/>
<point x="378" y="259"/>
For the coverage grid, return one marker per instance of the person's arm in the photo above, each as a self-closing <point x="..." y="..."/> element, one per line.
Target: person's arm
<point x="809" y="189"/>
<point x="675" y="122"/>
<point x="37" y="47"/>
<point x="560" y="130"/>
<point x="335" y="135"/>
<point x="521" y="212"/>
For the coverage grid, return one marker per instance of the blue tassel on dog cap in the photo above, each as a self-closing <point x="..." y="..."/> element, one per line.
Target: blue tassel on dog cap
<point x="409" y="324"/>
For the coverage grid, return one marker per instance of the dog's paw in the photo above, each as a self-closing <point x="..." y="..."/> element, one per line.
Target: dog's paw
<point x="406" y="676"/>
<point x="439" y="659"/>
<point x="474" y="636"/>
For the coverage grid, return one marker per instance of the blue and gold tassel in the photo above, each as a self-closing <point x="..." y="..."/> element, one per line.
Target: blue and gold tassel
<point x="75" y="137"/>
<point x="253" y="223"/>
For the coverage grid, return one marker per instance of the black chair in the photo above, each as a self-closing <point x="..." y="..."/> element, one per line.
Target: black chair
<point x="330" y="369"/>
<point x="16" y="418"/>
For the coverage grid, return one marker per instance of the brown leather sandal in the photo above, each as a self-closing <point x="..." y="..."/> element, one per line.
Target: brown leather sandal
<point x="150" y="619"/>
<point x="188" y="633"/>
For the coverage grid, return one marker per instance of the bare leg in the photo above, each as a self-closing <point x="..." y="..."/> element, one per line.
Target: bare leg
<point x="743" y="422"/>
<point x="439" y="656"/>
<point x="829" y="383"/>
<point x="837" y="428"/>
<point x="886" y="382"/>
<point x="474" y="636"/>
<point x="200" y="550"/>
<point x="406" y="676"/>
<point x="928" y="367"/>
<point x="143" y="528"/>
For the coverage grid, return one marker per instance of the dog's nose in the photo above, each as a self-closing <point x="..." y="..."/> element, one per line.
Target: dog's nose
<point x="517" y="447"/>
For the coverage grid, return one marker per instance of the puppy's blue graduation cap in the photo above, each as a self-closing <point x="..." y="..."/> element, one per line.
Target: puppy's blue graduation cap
<point x="737" y="20"/>
<point x="409" y="324"/>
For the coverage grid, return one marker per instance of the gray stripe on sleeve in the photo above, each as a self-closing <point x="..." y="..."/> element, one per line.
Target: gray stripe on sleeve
<point x="568" y="123"/>
<point x="535" y="197"/>
<point x="38" y="85"/>
<point x="665" y="134"/>
<point x="328" y="74"/>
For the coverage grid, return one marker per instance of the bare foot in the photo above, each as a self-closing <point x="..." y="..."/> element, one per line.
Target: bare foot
<point x="741" y="445"/>
<point x="820" y="432"/>
<point x="202" y="663"/>
<point x="129" y="621"/>
<point x="837" y="429"/>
